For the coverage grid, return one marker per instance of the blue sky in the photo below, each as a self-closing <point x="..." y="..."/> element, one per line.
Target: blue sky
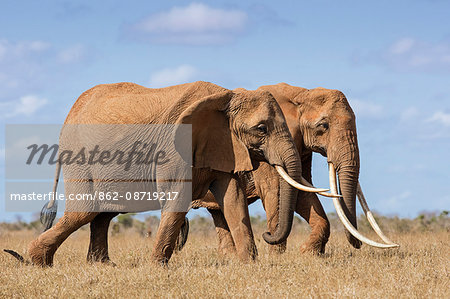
<point x="390" y="58"/>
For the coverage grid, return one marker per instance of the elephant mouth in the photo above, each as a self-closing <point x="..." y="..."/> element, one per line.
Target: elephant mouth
<point x="257" y="154"/>
<point x="321" y="150"/>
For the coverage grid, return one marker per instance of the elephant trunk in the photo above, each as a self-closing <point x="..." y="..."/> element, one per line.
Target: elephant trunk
<point x="290" y="161"/>
<point x="346" y="160"/>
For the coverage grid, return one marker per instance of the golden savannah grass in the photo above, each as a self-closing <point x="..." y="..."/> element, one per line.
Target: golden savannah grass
<point x="418" y="269"/>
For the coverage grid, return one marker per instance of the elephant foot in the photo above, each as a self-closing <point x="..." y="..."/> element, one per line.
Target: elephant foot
<point x="109" y="263"/>
<point x="353" y="241"/>
<point x="40" y="254"/>
<point x="248" y="255"/>
<point x="227" y="249"/>
<point x="318" y="238"/>
<point x="244" y="256"/>
<point x="316" y="248"/>
<point x="106" y="262"/>
<point x="226" y="244"/>
<point x="162" y="257"/>
<point x="96" y="258"/>
<point x="277" y="249"/>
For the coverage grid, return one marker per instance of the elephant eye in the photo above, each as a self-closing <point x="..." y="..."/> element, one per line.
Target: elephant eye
<point x="262" y="128"/>
<point x="323" y="126"/>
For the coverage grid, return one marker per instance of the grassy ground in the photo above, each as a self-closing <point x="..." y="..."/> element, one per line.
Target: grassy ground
<point x="419" y="269"/>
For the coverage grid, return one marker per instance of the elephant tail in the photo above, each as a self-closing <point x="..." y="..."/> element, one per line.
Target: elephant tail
<point x="17" y="256"/>
<point x="48" y="212"/>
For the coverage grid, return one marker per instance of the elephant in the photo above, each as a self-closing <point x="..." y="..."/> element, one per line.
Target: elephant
<point x="322" y="121"/>
<point x="232" y="133"/>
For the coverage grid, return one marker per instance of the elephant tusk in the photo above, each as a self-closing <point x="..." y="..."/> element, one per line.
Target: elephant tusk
<point x="343" y="218"/>
<point x="306" y="183"/>
<point x="295" y="184"/>
<point x="369" y="215"/>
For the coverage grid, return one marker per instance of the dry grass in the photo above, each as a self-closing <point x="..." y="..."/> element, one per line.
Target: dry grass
<point x="419" y="269"/>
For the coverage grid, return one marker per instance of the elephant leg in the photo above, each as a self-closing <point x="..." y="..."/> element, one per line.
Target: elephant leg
<point x="182" y="237"/>
<point x="310" y="208"/>
<point x="42" y="249"/>
<point x="226" y="243"/>
<point x="233" y="203"/>
<point x="98" y="246"/>
<point x="167" y="235"/>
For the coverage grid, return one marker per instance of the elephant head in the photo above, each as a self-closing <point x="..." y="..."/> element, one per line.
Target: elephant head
<point x="321" y="120"/>
<point x="231" y="129"/>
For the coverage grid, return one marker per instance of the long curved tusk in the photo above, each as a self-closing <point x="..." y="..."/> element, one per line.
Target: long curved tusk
<point x="295" y="184"/>
<point x="343" y="218"/>
<point x="369" y="215"/>
<point x="308" y="184"/>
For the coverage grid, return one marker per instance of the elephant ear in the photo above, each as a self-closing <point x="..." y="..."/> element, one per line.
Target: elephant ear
<point x="214" y="144"/>
<point x="285" y="96"/>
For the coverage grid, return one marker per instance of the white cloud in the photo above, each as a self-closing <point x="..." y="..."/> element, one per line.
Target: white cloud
<point x="436" y="127"/>
<point x="28" y="67"/>
<point x="28" y="105"/>
<point x="72" y="54"/>
<point x="409" y="114"/>
<point x="25" y="106"/>
<point x="10" y="50"/>
<point x="402" y="46"/>
<point x="196" y="23"/>
<point x="37" y="46"/>
<point x="364" y="109"/>
<point x="172" y="76"/>
<point x="408" y="54"/>
<point x="441" y="118"/>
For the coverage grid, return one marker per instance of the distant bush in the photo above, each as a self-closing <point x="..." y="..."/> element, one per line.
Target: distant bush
<point x="426" y="221"/>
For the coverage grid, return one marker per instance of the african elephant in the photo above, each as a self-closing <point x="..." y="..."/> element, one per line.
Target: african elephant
<point x="320" y="120"/>
<point x="232" y="131"/>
